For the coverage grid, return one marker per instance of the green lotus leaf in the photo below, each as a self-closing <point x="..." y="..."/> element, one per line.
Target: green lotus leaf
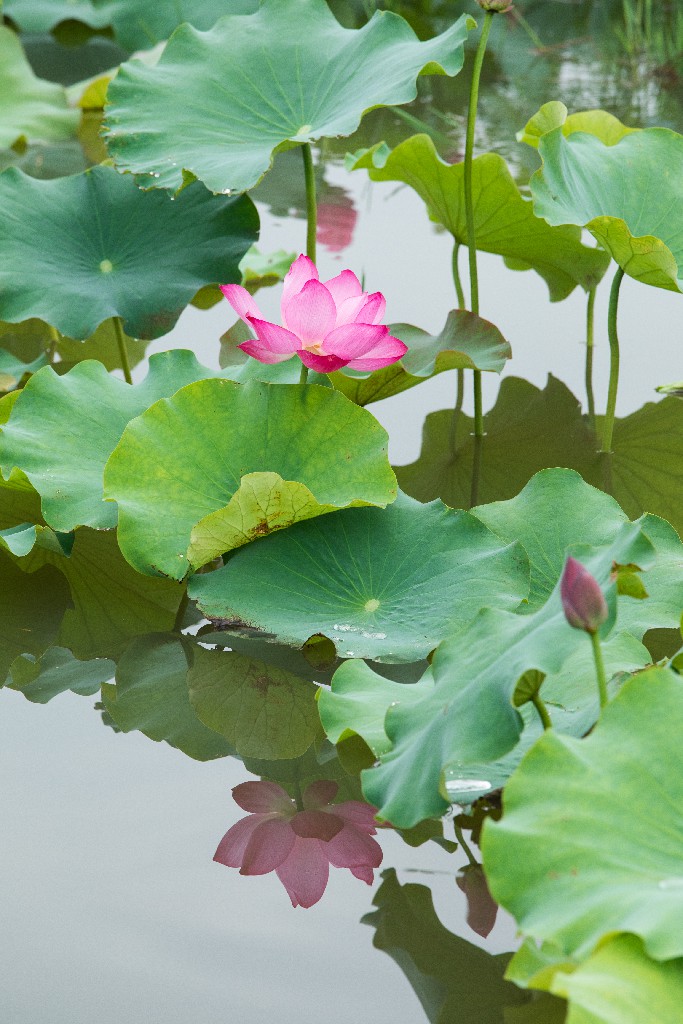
<point x="469" y="717"/>
<point x="505" y="222"/>
<point x="136" y="24"/>
<point x="262" y="270"/>
<point x="385" y="584"/>
<point x="620" y="984"/>
<point x="62" y="431"/>
<point x="222" y="463"/>
<point x="151" y="695"/>
<point x="600" y="123"/>
<point x="288" y="73"/>
<point x="358" y="701"/>
<point x="13" y="370"/>
<point x="31" y="611"/>
<point x="554" y="863"/>
<point x="466" y="342"/>
<point x="454" y="980"/>
<point x="530" y="429"/>
<point x="261" y="710"/>
<point x="30" y="108"/>
<point x="112" y="603"/>
<point x="41" y="16"/>
<point x="628" y="194"/>
<point x="41" y="679"/>
<point x="82" y="249"/>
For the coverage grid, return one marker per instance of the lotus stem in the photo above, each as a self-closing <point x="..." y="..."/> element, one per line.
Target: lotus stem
<point x="608" y="426"/>
<point x="469" y="207"/>
<point x="460" y="387"/>
<point x="476" y="469"/>
<point x="54" y="341"/>
<point x="465" y="846"/>
<point x="304" y="374"/>
<point x="123" y="350"/>
<point x="590" y="322"/>
<point x="311" y="206"/>
<point x="542" y="710"/>
<point x="599" y="668"/>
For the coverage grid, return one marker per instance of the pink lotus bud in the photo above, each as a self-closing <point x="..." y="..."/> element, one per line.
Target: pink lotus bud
<point x="582" y="599"/>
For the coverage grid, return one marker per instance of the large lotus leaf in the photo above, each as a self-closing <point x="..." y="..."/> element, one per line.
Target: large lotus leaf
<point x="600" y="123"/>
<point x="112" y="603"/>
<point x="469" y="717"/>
<point x="359" y="699"/>
<point x="620" y="984"/>
<point x="63" y="429"/>
<point x="455" y="981"/>
<point x="31" y="611"/>
<point x="41" y="679"/>
<point x="358" y="702"/>
<point x="466" y="342"/>
<point x="81" y="249"/>
<point x="261" y="710"/>
<point x="530" y="429"/>
<point x="289" y="72"/>
<point x="628" y="194"/>
<point x="505" y="222"/>
<point x="151" y="695"/>
<point x="572" y="876"/>
<point x="386" y="584"/>
<point x="30" y="108"/>
<point x="583" y="515"/>
<point x="221" y="464"/>
<point x="137" y="24"/>
<point x="41" y="16"/>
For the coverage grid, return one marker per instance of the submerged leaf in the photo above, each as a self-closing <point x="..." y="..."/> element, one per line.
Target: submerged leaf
<point x="56" y="672"/>
<point x="30" y="108"/>
<point x="288" y="73"/>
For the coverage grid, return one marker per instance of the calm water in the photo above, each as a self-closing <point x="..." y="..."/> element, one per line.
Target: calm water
<point x="113" y="909"/>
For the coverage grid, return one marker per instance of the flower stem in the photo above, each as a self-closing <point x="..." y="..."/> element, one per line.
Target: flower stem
<point x="469" y="206"/>
<point x="311" y="206"/>
<point x="599" y="668"/>
<point x="54" y="341"/>
<point x="476" y="469"/>
<point x="123" y="351"/>
<point x="590" y="321"/>
<point x="460" y="387"/>
<point x="540" y="706"/>
<point x="465" y="847"/>
<point x="304" y="374"/>
<point x="608" y="425"/>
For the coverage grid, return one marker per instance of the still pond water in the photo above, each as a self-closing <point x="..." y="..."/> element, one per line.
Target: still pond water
<point x="113" y="909"/>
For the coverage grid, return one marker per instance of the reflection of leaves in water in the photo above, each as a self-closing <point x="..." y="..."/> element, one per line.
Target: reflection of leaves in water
<point x="529" y="429"/>
<point x="31" y="611"/>
<point x="455" y="981"/>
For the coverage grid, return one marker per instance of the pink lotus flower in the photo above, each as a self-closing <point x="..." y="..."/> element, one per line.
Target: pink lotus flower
<point x="583" y="601"/>
<point x="300" y="845"/>
<point x="327" y="325"/>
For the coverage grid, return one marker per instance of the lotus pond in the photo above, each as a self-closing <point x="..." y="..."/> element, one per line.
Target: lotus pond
<point x="341" y="493"/>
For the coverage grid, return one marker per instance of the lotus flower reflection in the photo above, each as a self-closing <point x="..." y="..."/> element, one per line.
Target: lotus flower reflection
<point x="300" y="845"/>
<point x="328" y="325"/>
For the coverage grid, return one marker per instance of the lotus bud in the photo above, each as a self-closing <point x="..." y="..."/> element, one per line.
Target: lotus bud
<point x="496" y="6"/>
<point x="582" y="599"/>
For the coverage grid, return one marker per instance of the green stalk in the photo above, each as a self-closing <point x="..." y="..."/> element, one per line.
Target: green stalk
<point x="311" y="205"/>
<point x="304" y="374"/>
<point x="469" y="206"/>
<point x="599" y="668"/>
<point x="123" y="351"/>
<point x="466" y="849"/>
<point x="590" y="321"/>
<point x="476" y="469"/>
<point x="460" y="387"/>
<point x="608" y="426"/>
<point x="54" y="341"/>
<point x="542" y="710"/>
